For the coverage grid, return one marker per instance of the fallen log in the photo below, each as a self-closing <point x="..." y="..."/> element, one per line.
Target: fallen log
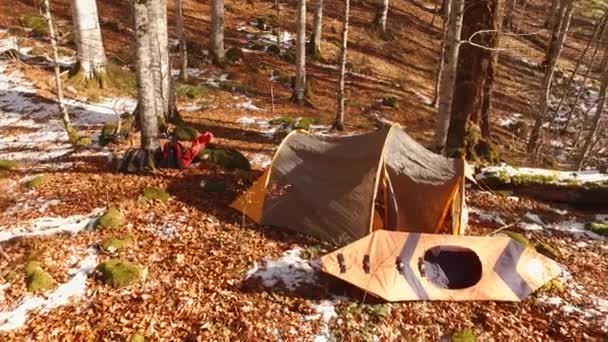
<point x="589" y="188"/>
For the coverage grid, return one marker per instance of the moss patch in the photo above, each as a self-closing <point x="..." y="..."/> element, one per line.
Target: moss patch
<point x="191" y="91"/>
<point x="519" y="238"/>
<point x="77" y="139"/>
<point x="116" y="80"/>
<point x="37" y="280"/>
<point x="7" y="164"/>
<point x="553" y="286"/>
<point x="114" y="244"/>
<point x="233" y="55"/>
<point x="464" y="335"/>
<point x="597" y="228"/>
<point x="151" y="194"/>
<point x="294" y="123"/>
<point x="111" y="219"/>
<point x="184" y="132"/>
<point x="36" y="23"/>
<point x="36" y="182"/>
<point x="118" y="273"/>
<point x="137" y="337"/>
<point x="225" y="157"/>
<point x="547" y="249"/>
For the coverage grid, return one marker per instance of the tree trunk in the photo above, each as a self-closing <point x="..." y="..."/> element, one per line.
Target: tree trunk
<point x="381" y="14"/>
<point x="441" y="64"/>
<point x="148" y="117"/>
<point x="448" y="75"/>
<point x="49" y="20"/>
<point x="315" y="39"/>
<point x="507" y="22"/>
<point x="159" y="54"/>
<point x="472" y="71"/>
<point x="216" y="41"/>
<point x="300" y="82"/>
<point x="551" y="14"/>
<point x="87" y="37"/>
<point x="493" y="43"/>
<point x="181" y="35"/>
<point x="555" y="46"/>
<point x="598" y="115"/>
<point x="339" y="121"/>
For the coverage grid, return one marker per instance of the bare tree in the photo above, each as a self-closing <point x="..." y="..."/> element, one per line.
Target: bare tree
<point x="216" y="41"/>
<point x="551" y="14"/>
<point x="339" y="121"/>
<point x="553" y="52"/>
<point x="315" y="39"/>
<point x="181" y="35"/>
<point x="143" y="159"/>
<point x="448" y="75"/>
<point x="441" y="64"/>
<point x="49" y="19"/>
<point x="300" y="81"/>
<point x="87" y="37"/>
<point x="473" y="71"/>
<point x="598" y="114"/>
<point x="381" y="15"/>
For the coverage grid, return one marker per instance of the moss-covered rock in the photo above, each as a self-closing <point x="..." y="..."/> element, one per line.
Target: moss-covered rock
<point x="598" y="228"/>
<point x="552" y="286"/>
<point x="36" y="23"/>
<point x="294" y="123"/>
<point x="118" y="273"/>
<point x="282" y="121"/>
<point x="464" y="335"/>
<point x="115" y="244"/>
<point x="7" y="164"/>
<point x="185" y="132"/>
<point x="233" y="55"/>
<point x="77" y="139"/>
<point x="151" y="194"/>
<point x="137" y="337"/>
<point x="487" y="151"/>
<point x="274" y="49"/>
<point x="36" y="279"/>
<point x="547" y="249"/>
<point x="519" y="238"/>
<point x="111" y="219"/>
<point x="36" y="182"/>
<point x="390" y="101"/>
<point x="305" y="123"/>
<point x="225" y="157"/>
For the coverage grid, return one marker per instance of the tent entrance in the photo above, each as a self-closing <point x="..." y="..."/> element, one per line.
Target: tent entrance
<point x="451" y="267"/>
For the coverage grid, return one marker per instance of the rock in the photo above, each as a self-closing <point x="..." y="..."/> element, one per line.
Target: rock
<point x="305" y="123"/>
<point x="111" y="219"/>
<point x="234" y="55"/>
<point x="118" y="273"/>
<point x="151" y="194"/>
<point x="274" y="49"/>
<point x="185" y="133"/>
<point x="36" y="182"/>
<point x="37" y="280"/>
<point x="115" y="244"/>
<point x="36" y="23"/>
<point x="225" y="157"/>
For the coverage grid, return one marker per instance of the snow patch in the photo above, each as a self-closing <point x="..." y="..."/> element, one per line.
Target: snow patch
<point x="560" y="177"/>
<point x="326" y="311"/>
<point x="62" y="295"/>
<point x="46" y="226"/>
<point x="290" y="270"/>
<point x="248" y="105"/>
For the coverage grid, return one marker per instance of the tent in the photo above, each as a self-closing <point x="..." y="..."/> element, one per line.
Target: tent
<point x="399" y="266"/>
<point x="342" y="188"/>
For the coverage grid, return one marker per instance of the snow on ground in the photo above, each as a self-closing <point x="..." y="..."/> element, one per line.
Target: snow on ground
<point x="562" y="177"/>
<point x="262" y="124"/>
<point x="255" y="36"/>
<point x="36" y="204"/>
<point x="45" y="226"/>
<point x="258" y="160"/>
<point x="326" y="311"/>
<point x="487" y="216"/>
<point x="248" y="105"/>
<point x="290" y="270"/>
<point x="62" y="295"/>
<point x="510" y="120"/>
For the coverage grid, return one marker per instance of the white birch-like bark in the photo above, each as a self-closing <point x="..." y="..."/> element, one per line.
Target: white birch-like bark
<point x="87" y="33"/>
<point x="300" y="82"/>
<point x="317" y="28"/>
<point x="148" y="117"/>
<point x="159" y="54"/>
<point x="448" y="74"/>
<point x="381" y="15"/>
<point x="49" y="19"/>
<point x="181" y="35"/>
<point x="339" y="121"/>
<point x="553" y="52"/>
<point x="216" y="41"/>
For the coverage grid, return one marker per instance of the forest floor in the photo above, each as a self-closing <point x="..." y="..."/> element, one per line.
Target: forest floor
<point x="211" y="274"/>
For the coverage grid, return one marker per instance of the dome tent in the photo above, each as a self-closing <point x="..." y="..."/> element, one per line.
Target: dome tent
<point x="342" y="188"/>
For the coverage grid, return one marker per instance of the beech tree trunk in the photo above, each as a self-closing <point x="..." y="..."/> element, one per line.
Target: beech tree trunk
<point x="507" y="22"/>
<point x="300" y="82"/>
<point x="493" y="40"/>
<point x="315" y="39"/>
<point x="87" y="37"/>
<point x="448" y="74"/>
<point x="551" y="14"/>
<point x="159" y="54"/>
<point x="148" y="117"/>
<point x="339" y="121"/>
<point x="49" y="20"/>
<point x="216" y="41"/>
<point x="181" y="35"/>
<point x="472" y="71"/>
<point x="381" y="14"/>
<point x="556" y="43"/>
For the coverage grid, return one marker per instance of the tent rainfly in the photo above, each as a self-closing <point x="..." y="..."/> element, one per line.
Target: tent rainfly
<point x="342" y="188"/>
<point x="399" y="266"/>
